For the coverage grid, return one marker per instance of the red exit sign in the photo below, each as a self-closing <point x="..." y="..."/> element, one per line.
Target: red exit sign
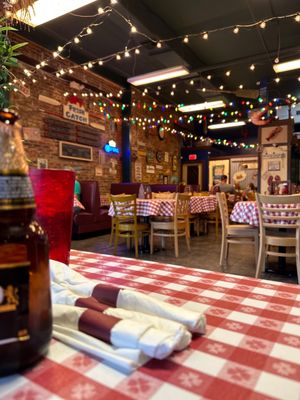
<point x="192" y="157"/>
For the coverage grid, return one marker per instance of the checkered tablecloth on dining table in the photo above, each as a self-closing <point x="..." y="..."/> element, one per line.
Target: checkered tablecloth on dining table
<point x="246" y="212"/>
<point x="165" y="207"/>
<point x="251" y="350"/>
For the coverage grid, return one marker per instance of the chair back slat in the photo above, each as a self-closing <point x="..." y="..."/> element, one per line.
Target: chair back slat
<point x="182" y="205"/>
<point x="278" y="211"/>
<point x="124" y="206"/>
<point x="223" y="207"/>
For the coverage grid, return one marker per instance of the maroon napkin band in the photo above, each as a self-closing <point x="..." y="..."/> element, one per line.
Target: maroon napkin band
<point x="97" y="325"/>
<point x="90" y="303"/>
<point x="106" y="294"/>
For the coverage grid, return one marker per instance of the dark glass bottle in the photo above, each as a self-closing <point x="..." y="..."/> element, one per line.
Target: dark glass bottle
<point x="25" y="304"/>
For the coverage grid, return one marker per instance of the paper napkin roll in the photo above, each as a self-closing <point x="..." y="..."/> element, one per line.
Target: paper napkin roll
<point x="63" y="295"/>
<point x="124" y="333"/>
<point x="126" y="299"/>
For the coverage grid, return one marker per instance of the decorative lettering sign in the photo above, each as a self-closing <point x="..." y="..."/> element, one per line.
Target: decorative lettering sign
<point x="76" y="113"/>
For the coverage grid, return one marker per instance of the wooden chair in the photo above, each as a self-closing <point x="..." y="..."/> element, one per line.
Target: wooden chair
<point x="237" y="233"/>
<point x="279" y="225"/>
<point x="175" y="226"/>
<point x="126" y="220"/>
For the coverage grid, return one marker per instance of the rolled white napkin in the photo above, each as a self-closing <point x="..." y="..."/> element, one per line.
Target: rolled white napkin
<point x="124" y="298"/>
<point x="63" y="295"/>
<point x="120" y="333"/>
<point x="127" y="360"/>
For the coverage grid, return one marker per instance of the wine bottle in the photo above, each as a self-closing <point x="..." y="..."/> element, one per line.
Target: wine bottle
<point x="25" y="304"/>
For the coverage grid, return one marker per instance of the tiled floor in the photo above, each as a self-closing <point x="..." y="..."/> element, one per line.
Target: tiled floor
<point x="205" y="252"/>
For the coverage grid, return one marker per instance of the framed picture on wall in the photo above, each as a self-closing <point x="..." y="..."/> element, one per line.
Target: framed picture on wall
<point x="274" y="165"/>
<point x="165" y="179"/>
<point x="277" y="132"/>
<point x="42" y="163"/>
<point x="75" y="151"/>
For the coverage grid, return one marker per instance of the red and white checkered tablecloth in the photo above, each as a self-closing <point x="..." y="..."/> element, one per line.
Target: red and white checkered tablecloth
<point x="148" y="207"/>
<point x="165" y="207"/>
<point x="203" y="204"/>
<point x="251" y="349"/>
<point x="245" y="212"/>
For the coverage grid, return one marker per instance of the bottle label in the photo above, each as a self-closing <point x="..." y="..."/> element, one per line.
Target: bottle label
<point x="16" y="192"/>
<point x="14" y="302"/>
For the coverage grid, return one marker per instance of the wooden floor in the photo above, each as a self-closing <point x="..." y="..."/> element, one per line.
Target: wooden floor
<point x="205" y="252"/>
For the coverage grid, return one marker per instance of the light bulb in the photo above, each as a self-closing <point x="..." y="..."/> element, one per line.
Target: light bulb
<point x="228" y="73"/>
<point x="205" y="36"/>
<point x="127" y="54"/>
<point x="252" y="67"/>
<point x="118" y="57"/>
<point x="221" y="87"/>
<point x="70" y="71"/>
<point x="100" y="10"/>
<point x="100" y="62"/>
<point x="137" y="51"/>
<point x="158" y="44"/>
<point x="38" y="66"/>
<point x="263" y="25"/>
<point x="85" y="67"/>
<point x="208" y="77"/>
<point x="133" y="29"/>
<point x="241" y="87"/>
<point x="297" y="18"/>
<point x="76" y="40"/>
<point x="90" y="65"/>
<point x="277" y="80"/>
<point x="236" y="30"/>
<point x="186" y="39"/>
<point x="89" y="30"/>
<point x="55" y="54"/>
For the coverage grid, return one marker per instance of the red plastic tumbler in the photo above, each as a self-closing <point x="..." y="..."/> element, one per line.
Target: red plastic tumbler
<point x="54" y="196"/>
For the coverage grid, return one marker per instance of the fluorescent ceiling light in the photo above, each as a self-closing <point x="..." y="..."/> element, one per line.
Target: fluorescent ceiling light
<point x="44" y="10"/>
<point x="159" y="75"/>
<point x="207" y="105"/>
<point x="287" y="66"/>
<point x="226" y="125"/>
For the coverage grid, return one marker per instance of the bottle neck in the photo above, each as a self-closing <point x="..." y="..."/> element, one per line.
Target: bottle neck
<point x="15" y="185"/>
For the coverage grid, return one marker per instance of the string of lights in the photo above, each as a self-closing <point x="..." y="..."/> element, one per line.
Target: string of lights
<point x="126" y="52"/>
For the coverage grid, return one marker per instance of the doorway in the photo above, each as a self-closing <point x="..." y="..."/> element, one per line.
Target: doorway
<point x="192" y="174"/>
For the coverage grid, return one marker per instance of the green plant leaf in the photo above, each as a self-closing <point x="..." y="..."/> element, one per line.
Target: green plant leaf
<point x="17" y="46"/>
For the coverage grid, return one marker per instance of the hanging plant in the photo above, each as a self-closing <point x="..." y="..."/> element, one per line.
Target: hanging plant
<point x="8" y="60"/>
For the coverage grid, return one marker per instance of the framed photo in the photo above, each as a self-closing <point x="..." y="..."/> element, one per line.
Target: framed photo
<point x="274" y="165"/>
<point x="277" y="132"/>
<point x="42" y="163"/>
<point x="165" y="179"/>
<point x="75" y="151"/>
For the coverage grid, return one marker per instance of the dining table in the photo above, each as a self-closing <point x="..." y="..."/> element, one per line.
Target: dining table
<point x="251" y="348"/>
<point x="245" y="212"/>
<point x="165" y="207"/>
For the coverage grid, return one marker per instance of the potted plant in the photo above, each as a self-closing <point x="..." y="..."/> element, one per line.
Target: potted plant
<point x="8" y="51"/>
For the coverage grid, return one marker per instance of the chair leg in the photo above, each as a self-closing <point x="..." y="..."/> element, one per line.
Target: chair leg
<point x="111" y="236"/>
<point x="224" y="246"/>
<point x="256" y="247"/>
<point x="136" y="244"/>
<point x="176" y="245"/>
<point x="151" y="239"/>
<point x="261" y="258"/>
<point x="187" y="236"/>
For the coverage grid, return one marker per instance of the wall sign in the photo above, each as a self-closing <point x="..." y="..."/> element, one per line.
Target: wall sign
<point x="111" y="147"/>
<point x="76" y="113"/>
<point x="75" y="151"/>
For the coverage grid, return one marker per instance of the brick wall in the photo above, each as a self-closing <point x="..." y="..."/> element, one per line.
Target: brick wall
<point x="105" y="168"/>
